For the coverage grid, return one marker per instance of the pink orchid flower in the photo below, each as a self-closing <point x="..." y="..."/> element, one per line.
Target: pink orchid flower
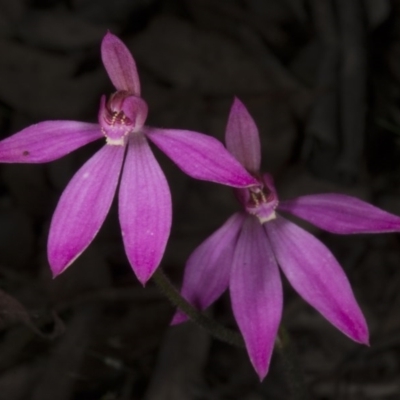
<point x="144" y="195"/>
<point x="245" y="252"/>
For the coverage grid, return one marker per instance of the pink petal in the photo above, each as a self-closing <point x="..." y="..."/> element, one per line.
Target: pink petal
<point x="339" y="213"/>
<point x="242" y="138"/>
<point x="83" y="207"/>
<point x="256" y="294"/>
<point x="120" y="65"/>
<point x="200" y="156"/>
<point x="144" y="208"/>
<point x="47" y="141"/>
<point x="315" y="274"/>
<point x="135" y="108"/>
<point x="207" y="269"/>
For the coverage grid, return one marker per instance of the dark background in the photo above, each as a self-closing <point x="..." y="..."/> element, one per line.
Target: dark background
<point x="321" y="79"/>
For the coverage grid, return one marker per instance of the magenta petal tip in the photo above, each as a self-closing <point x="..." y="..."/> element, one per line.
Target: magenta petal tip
<point x="142" y="278"/>
<point x="179" y="318"/>
<point x="361" y="334"/>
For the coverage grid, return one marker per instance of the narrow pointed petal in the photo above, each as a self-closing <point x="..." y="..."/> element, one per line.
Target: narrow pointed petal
<point x="200" y="156"/>
<point x="208" y="268"/>
<point x="256" y="294"/>
<point x="242" y="138"/>
<point x="83" y="207"/>
<point x="120" y="65"/>
<point x="145" y="209"/>
<point x="47" y="141"/>
<point x="338" y="213"/>
<point x="315" y="274"/>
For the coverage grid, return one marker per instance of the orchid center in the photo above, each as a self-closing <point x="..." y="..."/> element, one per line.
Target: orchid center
<point x="260" y="200"/>
<point x="121" y="115"/>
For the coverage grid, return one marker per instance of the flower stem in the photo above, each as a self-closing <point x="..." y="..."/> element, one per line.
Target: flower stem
<point x="284" y="346"/>
<point x="213" y="327"/>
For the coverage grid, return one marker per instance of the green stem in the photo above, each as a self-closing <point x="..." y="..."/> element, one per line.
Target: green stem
<point x="209" y="324"/>
<point x="284" y="346"/>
